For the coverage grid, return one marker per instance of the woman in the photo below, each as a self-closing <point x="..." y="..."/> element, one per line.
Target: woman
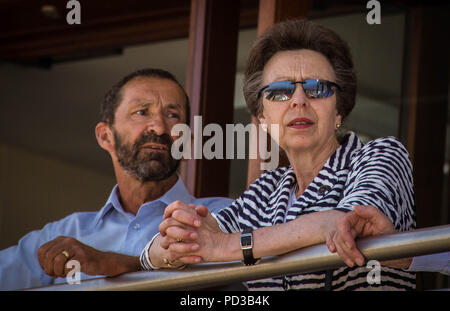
<point x="299" y="76"/>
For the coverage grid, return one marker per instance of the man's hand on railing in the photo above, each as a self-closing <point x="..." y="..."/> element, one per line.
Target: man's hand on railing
<point x="54" y="255"/>
<point x="362" y="221"/>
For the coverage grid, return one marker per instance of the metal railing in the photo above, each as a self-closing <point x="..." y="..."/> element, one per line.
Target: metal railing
<point x="314" y="258"/>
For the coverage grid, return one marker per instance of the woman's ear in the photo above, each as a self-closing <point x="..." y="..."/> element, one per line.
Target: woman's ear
<point x="105" y="137"/>
<point x="262" y="122"/>
<point x="261" y="118"/>
<point x="338" y="121"/>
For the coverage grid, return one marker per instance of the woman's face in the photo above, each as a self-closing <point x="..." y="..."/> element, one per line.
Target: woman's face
<point x="304" y="123"/>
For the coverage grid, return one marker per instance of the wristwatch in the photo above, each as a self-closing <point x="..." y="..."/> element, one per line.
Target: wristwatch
<point x="247" y="247"/>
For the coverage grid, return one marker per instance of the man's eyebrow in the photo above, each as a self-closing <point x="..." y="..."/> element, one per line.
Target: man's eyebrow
<point x="174" y="106"/>
<point x="139" y="103"/>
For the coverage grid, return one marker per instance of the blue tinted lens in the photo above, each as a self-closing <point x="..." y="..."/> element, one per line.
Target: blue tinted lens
<point x="315" y="88"/>
<point x="283" y="90"/>
<point x="279" y="90"/>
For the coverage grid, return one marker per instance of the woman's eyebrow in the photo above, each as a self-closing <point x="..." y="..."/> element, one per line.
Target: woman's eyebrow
<point x="282" y="78"/>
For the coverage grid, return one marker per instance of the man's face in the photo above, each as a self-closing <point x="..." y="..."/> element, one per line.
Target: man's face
<point x="148" y="109"/>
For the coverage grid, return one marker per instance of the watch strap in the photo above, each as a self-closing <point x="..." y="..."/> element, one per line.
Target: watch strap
<point x="247" y="247"/>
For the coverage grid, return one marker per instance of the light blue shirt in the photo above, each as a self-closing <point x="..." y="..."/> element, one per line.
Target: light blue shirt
<point x="110" y="229"/>
<point x="439" y="262"/>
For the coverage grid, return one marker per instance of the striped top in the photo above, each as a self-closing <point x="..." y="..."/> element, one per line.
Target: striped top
<point x="378" y="173"/>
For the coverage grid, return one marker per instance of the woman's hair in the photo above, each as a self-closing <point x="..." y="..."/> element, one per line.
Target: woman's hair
<point x="296" y="35"/>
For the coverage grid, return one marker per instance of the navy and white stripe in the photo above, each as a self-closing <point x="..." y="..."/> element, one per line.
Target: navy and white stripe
<point x="144" y="258"/>
<point x="378" y="173"/>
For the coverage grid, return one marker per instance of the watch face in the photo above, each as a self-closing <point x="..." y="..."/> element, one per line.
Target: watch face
<point x="246" y="240"/>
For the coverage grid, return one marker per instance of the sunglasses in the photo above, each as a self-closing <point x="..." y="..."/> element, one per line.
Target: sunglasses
<point x="283" y="90"/>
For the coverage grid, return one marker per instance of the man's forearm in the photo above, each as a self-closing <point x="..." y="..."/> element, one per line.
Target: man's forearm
<point x="116" y="264"/>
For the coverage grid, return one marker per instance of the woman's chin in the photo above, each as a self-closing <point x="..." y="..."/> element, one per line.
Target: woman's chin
<point x="298" y="147"/>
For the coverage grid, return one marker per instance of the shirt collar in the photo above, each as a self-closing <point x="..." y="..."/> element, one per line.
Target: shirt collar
<point x="342" y="157"/>
<point x="177" y="192"/>
<point x="339" y="160"/>
<point x="112" y="202"/>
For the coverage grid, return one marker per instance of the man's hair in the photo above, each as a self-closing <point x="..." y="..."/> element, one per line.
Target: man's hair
<point x="296" y="35"/>
<point x="113" y="96"/>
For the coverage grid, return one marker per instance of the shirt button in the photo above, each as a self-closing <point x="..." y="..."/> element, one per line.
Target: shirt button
<point x="137" y="226"/>
<point x="323" y="189"/>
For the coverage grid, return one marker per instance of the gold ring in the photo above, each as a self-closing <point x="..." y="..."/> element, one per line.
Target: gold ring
<point x="166" y="262"/>
<point x="169" y="265"/>
<point x="66" y="254"/>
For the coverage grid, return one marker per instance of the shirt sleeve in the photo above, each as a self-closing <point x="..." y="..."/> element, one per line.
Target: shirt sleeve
<point x="248" y="209"/>
<point x="214" y="204"/>
<point x="228" y="218"/>
<point x="432" y="263"/>
<point x="381" y="175"/>
<point x="19" y="265"/>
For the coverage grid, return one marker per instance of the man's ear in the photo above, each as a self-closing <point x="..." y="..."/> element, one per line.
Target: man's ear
<point x="105" y="137"/>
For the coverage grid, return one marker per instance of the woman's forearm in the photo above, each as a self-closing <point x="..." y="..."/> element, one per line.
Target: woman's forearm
<point x="215" y="245"/>
<point x="304" y="231"/>
<point x="301" y="232"/>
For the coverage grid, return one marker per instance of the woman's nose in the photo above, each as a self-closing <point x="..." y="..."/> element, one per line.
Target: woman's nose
<point x="299" y="98"/>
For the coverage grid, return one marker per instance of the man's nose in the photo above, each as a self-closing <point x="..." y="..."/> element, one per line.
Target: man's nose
<point x="157" y="123"/>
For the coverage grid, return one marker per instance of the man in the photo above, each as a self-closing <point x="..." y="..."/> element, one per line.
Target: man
<point x="137" y="117"/>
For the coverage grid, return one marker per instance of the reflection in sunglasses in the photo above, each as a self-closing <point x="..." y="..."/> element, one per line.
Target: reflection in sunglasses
<point x="313" y="88"/>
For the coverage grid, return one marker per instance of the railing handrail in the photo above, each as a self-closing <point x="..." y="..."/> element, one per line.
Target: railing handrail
<point x="315" y="258"/>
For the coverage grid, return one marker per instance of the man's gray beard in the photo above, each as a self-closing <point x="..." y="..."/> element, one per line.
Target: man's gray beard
<point x="143" y="164"/>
